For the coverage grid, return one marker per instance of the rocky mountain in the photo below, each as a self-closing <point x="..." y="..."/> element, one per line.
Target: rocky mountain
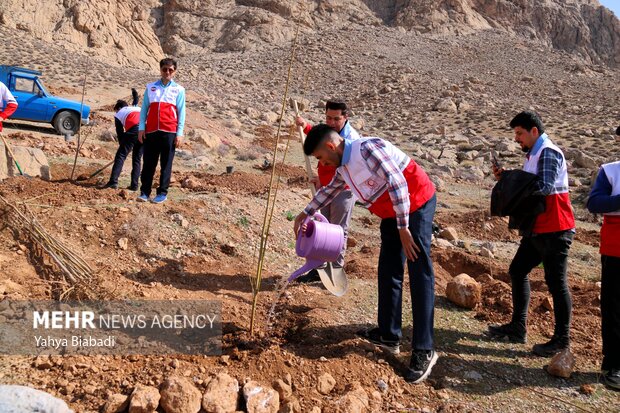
<point x="139" y="32"/>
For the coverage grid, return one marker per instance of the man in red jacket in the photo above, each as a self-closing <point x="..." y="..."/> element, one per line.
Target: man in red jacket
<point x="8" y="103"/>
<point x="605" y="199"/>
<point x="340" y="209"/>
<point x="396" y="189"/>
<point x="549" y="240"/>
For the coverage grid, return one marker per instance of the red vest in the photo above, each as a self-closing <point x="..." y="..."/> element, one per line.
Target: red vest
<point x="421" y="189"/>
<point x="558" y="215"/>
<point x="610" y="236"/>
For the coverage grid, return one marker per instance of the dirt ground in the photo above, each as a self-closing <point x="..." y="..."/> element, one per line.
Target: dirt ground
<point x="312" y="332"/>
<point x="201" y="244"/>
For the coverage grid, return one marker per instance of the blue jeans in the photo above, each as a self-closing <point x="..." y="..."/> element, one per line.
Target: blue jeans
<point x="421" y="278"/>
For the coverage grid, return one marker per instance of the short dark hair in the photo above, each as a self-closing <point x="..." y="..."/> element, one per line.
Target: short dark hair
<point x="168" y="61"/>
<point x="120" y="104"/>
<point x="618" y="131"/>
<point x="527" y="120"/>
<point x="337" y="105"/>
<point x="317" y="134"/>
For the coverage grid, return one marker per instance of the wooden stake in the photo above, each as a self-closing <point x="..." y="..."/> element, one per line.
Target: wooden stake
<point x="256" y="280"/>
<point x="79" y="133"/>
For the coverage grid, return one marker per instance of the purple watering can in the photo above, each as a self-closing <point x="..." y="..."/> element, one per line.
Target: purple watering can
<point x="321" y="242"/>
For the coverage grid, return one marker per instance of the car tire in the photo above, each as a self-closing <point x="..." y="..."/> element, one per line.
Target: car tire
<point x="67" y="122"/>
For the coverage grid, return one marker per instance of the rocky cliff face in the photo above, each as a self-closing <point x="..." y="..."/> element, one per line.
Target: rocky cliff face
<point x="139" y="32"/>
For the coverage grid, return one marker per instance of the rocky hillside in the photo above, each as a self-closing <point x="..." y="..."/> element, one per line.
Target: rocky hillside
<point x="139" y="32"/>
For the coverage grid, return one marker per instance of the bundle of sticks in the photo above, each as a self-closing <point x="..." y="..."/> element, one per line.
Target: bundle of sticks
<point x="70" y="275"/>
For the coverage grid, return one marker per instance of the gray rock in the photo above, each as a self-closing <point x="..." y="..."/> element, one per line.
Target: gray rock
<point x="20" y="399"/>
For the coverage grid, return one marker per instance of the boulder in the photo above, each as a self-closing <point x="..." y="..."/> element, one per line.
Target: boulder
<point x="116" y="403"/>
<point x="205" y="138"/>
<point x="562" y="364"/>
<point x="32" y="162"/>
<point x="449" y="233"/>
<point x="446" y="105"/>
<point x="355" y="400"/>
<point x="18" y="399"/>
<point x="325" y="383"/>
<point x="270" y="117"/>
<point x="260" y="399"/>
<point x="464" y="291"/>
<point x="178" y="395"/>
<point x="284" y="389"/>
<point x="144" y="399"/>
<point x="221" y="394"/>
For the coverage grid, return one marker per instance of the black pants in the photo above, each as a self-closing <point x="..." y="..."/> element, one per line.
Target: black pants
<point x="158" y="146"/>
<point x="421" y="278"/>
<point x="552" y="250"/>
<point x="128" y="142"/>
<point x="610" y="311"/>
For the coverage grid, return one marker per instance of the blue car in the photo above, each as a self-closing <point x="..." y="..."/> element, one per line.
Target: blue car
<point x="36" y="104"/>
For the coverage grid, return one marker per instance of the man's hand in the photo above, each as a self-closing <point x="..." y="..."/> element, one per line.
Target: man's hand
<point x="409" y="245"/>
<point x="299" y="121"/>
<point x="316" y="182"/>
<point x="178" y="141"/>
<point x="298" y="223"/>
<point x="141" y="136"/>
<point x="497" y="171"/>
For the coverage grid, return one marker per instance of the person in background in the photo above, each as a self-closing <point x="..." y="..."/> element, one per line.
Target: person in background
<point x="7" y="102"/>
<point x="340" y="209"/>
<point x="549" y="241"/>
<point x="126" y="121"/>
<point x="396" y="189"/>
<point x="162" y="120"/>
<point x="605" y="199"/>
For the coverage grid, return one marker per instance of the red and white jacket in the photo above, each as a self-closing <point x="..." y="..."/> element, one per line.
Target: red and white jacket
<point x="8" y="103"/>
<point x="129" y="116"/>
<point x="163" y="108"/>
<point x="558" y="215"/>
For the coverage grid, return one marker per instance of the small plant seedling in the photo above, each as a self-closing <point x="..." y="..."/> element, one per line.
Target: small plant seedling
<point x="244" y="222"/>
<point x="290" y="216"/>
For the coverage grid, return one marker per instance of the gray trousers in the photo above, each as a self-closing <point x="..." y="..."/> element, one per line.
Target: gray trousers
<point x="339" y="212"/>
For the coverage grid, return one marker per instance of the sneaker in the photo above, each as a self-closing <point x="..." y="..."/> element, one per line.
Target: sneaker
<point x="110" y="185"/>
<point x="421" y="365"/>
<point x="132" y="187"/>
<point x="551" y="347"/>
<point x="612" y="379"/>
<point x="515" y="333"/>
<point x="142" y="198"/>
<point x="310" y="277"/>
<point x="374" y="336"/>
<point x="160" y="198"/>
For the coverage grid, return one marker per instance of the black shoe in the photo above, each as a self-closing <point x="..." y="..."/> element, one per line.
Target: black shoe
<point x="374" y="336"/>
<point x="132" y="188"/>
<point x="551" y="347"/>
<point x="612" y="379"/>
<point x="515" y="333"/>
<point x="110" y="185"/>
<point x="420" y="366"/>
<point x="310" y="277"/>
